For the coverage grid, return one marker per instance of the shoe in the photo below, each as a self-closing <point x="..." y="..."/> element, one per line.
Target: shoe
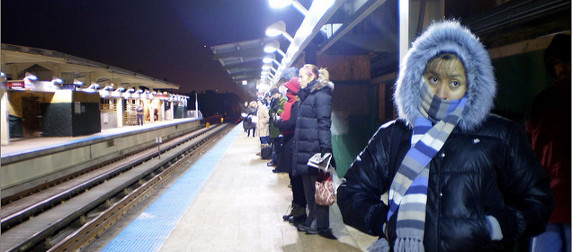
<point x="297" y="220"/>
<point x="258" y="154"/>
<point x="295" y="210"/>
<point x="270" y="164"/>
<point x="275" y="171"/>
<point x="308" y="230"/>
<point x="327" y="233"/>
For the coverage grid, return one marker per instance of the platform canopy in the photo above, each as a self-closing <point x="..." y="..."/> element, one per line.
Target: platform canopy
<point x="16" y="59"/>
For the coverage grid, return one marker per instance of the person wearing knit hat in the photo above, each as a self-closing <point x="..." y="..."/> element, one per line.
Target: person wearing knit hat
<point x="287" y="123"/>
<point x="447" y="175"/>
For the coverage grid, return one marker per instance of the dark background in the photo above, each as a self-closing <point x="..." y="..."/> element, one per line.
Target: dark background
<point x="168" y="40"/>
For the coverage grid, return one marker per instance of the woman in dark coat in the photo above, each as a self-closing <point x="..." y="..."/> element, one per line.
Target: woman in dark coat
<point x="313" y="135"/>
<point x="446" y="175"/>
<point x="287" y="124"/>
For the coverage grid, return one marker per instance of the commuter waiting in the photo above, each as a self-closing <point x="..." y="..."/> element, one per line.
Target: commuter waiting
<point x="276" y="109"/>
<point x="252" y="118"/>
<point x="313" y="135"/>
<point x="263" y="126"/>
<point x="549" y="129"/>
<point x="456" y="177"/>
<point x="287" y="124"/>
<point x="140" y="113"/>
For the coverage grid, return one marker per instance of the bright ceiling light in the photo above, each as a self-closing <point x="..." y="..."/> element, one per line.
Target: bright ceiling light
<point x="273" y="46"/>
<point x="30" y="77"/>
<point x="267" y="60"/>
<point x="277" y="29"/>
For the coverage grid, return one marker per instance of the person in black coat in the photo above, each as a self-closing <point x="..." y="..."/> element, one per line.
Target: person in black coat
<point x="313" y="135"/>
<point x="446" y="175"/>
<point x="286" y="122"/>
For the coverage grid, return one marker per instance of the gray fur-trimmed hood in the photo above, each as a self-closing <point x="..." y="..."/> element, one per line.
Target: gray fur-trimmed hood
<point x="447" y="36"/>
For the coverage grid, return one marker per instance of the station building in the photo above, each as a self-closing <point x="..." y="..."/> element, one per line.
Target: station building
<point x="49" y="93"/>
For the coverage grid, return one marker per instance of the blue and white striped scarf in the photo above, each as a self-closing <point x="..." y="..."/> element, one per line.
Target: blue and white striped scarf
<point x="408" y="191"/>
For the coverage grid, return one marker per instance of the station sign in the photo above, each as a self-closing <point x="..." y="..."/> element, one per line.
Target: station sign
<point x="17" y="85"/>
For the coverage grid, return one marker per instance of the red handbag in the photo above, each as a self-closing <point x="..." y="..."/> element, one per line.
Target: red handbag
<point x="324" y="194"/>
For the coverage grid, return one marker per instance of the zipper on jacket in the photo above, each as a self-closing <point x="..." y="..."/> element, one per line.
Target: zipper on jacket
<point x="438" y="163"/>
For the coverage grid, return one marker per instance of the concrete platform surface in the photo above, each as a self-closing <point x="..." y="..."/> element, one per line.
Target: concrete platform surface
<point x="240" y="208"/>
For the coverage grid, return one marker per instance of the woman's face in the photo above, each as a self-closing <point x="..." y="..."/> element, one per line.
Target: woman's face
<point x="305" y="77"/>
<point x="446" y="78"/>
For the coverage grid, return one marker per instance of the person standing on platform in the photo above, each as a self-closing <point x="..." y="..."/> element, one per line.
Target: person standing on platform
<point x="252" y="118"/>
<point x="313" y="135"/>
<point x="286" y="122"/>
<point x="244" y="115"/>
<point x="549" y="129"/>
<point x="262" y="126"/>
<point x="446" y="175"/>
<point x="276" y="107"/>
<point x="140" y="113"/>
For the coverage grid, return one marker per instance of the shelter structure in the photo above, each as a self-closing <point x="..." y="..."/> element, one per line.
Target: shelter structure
<point x="49" y="93"/>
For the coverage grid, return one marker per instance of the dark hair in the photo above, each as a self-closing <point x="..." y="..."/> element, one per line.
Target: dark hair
<point x="559" y="48"/>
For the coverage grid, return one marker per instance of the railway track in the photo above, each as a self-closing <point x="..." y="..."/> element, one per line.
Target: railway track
<point x="67" y="216"/>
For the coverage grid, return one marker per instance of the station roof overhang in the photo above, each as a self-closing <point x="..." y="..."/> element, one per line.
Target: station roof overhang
<point x="370" y="27"/>
<point x="22" y="56"/>
<point x="241" y="60"/>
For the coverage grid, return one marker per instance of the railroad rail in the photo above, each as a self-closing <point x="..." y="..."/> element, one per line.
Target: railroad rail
<point x="68" y="216"/>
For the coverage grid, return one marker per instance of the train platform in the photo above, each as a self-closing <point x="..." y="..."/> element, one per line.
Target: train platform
<point x="228" y="200"/>
<point x="27" y="145"/>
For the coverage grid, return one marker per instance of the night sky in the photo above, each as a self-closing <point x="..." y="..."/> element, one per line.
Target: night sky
<point x="165" y="39"/>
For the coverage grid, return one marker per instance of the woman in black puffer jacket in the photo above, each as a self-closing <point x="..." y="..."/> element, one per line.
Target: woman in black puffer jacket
<point x="312" y="135"/>
<point x="480" y="189"/>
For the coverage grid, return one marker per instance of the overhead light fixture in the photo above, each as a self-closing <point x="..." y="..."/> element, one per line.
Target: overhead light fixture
<point x="314" y="18"/>
<point x="270" y="59"/>
<point x="273" y="46"/>
<point x="277" y="29"/>
<point x="277" y="4"/>
<point x="57" y="80"/>
<point x="30" y="77"/>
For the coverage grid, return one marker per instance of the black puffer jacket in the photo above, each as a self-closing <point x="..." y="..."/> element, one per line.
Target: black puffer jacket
<point x="485" y="168"/>
<point x="313" y="122"/>
<point x="469" y="178"/>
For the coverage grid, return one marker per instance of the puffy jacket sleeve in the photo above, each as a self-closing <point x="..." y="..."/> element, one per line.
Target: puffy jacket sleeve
<point x="324" y="114"/>
<point x="368" y="178"/>
<point x="526" y="187"/>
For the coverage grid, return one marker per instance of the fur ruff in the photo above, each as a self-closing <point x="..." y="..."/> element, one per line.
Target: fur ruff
<point x="447" y="36"/>
<point x="319" y="85"/>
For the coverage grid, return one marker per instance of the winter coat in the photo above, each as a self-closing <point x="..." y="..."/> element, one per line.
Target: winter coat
<point x="276" y="109"/>
<point x="486" y="166"/>
<point x="287" y="127"/>
<point x="549" y="130"/>
<point x="313" y="121"/>
<point x="252" y="119"/>
<point x="263" y="126"/>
